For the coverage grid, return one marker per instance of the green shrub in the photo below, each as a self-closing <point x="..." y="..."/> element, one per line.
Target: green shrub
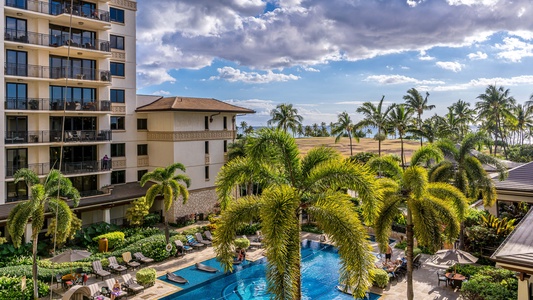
<point x="247" y="229"/>
<point x="381" y="278"/>
<point x="114" y="239"/>
<point x="146" y="276"/>
<point x="242" y="243"/>
<point x="153" y="246"/>
<point x="483" y="287"/>
<point x="416" y="251"/>
<point x="401" y="245"/>
<point x="311" y="228"/>
<point x="151" y="219"/>
<point x="85" y="235"/>
<point x="10" y="288"/>
<point x="192" y="231"/>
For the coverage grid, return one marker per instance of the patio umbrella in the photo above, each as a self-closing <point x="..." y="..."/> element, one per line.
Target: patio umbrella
<point x="70" y="256"/>
<point x="453" y="256"/>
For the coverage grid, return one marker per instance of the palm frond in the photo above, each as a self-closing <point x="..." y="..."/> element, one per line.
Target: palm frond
<point x="441" y="172"/>
<point x="496" y="163"/>
<point x="27" y="176"/>
<point x="390" y="209"/>
<point x="415" y="180"/>
<point x="64" y="218"/>
<point x="238" y="171"/>
<point x="426" y="221"/>
<point x="451" y="194"/>
<point x="316" y="156"/>
<point x="152" y="193"/>
<point x="17" y="220"/>
<point x="425" y="154"/>
<point x="386" y="165"/>
<point x="448" y="148"/>
<point x="168" y="196"/>
<point x="447" y="215"/>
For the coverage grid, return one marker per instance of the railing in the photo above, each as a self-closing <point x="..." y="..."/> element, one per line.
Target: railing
<point x="56" y="104"/>
<point x="54" y="136"/>
<point x="67" y="168"/>
<point x="34" y="38"/>
<point x="26" y="70"/>
<point x="58" y="9"/>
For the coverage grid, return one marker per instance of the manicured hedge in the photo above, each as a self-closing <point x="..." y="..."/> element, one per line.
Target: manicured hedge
<point x="146" y="276"/>
<point x="153" y="247"/>
<point x="114" y="239"/>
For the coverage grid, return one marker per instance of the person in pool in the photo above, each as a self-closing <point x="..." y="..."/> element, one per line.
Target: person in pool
<point x="116" y="290"/>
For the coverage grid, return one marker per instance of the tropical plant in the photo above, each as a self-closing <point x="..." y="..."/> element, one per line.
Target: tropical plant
<point x="236" y="149"/>
<point x="433" y="210"/>
<point x="169" y="185"/>
<point x="375" y="116"/>
<point x="137" y="211"/>
<point x="414" y="100"/>
<point x="344" y="126"/>
<point x="43" y="196"/>
<point x="400" y="118"/>
<point x="314" y="182"/>
<point x="501" y="225"/>
<point x="146" y="276"/>
<point x="242" y="243"/>
<point x="465" y="116"/>
<point x="286" y="117"/>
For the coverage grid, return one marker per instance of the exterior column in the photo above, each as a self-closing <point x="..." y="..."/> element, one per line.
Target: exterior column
<point x="523" y="289"/>
<point x="107" y="215"/>
<point x="28" y="233"/>
<point x="493" y="210"/>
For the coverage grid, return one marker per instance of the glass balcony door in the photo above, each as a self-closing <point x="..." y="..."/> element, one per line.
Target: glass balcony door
<point x="16" y="63"/>
<point x="16" y="96"/>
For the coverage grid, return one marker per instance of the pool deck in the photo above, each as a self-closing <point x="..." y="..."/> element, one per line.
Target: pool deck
<point x="424" y="278"/>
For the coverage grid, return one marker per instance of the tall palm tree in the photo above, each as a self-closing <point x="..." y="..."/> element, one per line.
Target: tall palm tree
<point x="414" y="100"/>
<point x="400" y="118"/>
<point x="524" y="121"/>
<point x="244" y="126"/>
<point x="293" y="183"/>
<point x="344" y="126"/>
<point x="169" y="185"/>
<point x="431" y="208"/>
<point x="465" y="116"/>
<point x="286" y="117"/>
<point x="494" y="106"/>
<point x="43" y="196"/>
<point x="375" y="116"/>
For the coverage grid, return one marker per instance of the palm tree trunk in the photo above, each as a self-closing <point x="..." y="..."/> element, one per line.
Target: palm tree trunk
<point x="462" y="236"/>
<point x="409" y="253"/>
<point x="350" y="136"/>
<point x="401" y="147"/>
<point x="34" y="270"/>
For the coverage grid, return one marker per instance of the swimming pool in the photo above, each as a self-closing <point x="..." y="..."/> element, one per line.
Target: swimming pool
<point x="320" y="264"/>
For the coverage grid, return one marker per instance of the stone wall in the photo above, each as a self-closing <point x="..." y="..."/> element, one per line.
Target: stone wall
<point x="200" y="201"/>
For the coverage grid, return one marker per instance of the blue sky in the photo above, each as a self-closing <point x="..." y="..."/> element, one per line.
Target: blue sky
<point x="326" y="57"/>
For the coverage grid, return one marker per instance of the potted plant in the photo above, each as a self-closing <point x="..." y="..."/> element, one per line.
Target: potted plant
<point x="34" y="104"/>
<point x="242" y="243"/>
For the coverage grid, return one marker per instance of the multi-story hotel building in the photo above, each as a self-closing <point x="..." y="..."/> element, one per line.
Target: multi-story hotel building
<point x="70" y="100"/>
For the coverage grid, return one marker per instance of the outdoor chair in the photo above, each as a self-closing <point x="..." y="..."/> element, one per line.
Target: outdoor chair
<point x="99" y="271"/>
<point x="114" y="266"/>
<point x="95" y="291"/>
<point x="395" y="274"/>
<point x="126" y="256"/>
<point x="416" y="261"/>
<point x="110" y="283"/>
<point x="182" y="249"/>
<point x="131" y="285"/>
<point x="192" y="242"/>
<point x="140" y="257"/>
<point x="441" y="276"/>
<point x="59" y="280"/>
<point x="254" y="244"/>
<point x="200" y="239"/>
<point x="208" y="235"/>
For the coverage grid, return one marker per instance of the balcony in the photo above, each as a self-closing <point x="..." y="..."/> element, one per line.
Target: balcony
<point x="44" y="104"/>
<point x="55" y="136"/>
<point x="96" y="18"/>
<point x="67" y="168"/>
<point x="77" y="73"/>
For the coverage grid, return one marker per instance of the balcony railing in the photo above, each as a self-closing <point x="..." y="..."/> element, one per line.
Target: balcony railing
<point x="58" y="9"/>
<point x="54" y="136"/>
<point x="26" y="70"/>
<point x="67" y="168"/>
<point x="56" y="104"/>
<point x="34" y="38"/>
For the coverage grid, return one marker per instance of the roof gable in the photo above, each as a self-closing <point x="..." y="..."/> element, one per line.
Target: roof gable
<point x="192" y="104"/>
<point x="519" y="179"/>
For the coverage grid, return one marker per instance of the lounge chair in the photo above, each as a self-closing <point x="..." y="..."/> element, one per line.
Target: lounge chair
<point x="131" y="285"/>
<point x="99" y="271"/>
<point x="416" y="261"/>
<point x="140" y="257"/>
<point x="254" y="244"/>
<point x="110" y="283"/>
<point x="395" y="274"/>
<point x="126" y="256"/>
<point x="208" y="235"/>
<point x="182" y="249"/>
<point x="175" y="278"/>
<point x="192" y="242"/>
<point x="95" y="291"/>
<point x="200" y="239"/>
<point x="205" y="268"/>
<point x="114" y="266"/>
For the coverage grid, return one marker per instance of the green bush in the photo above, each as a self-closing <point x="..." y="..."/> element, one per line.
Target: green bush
<point x="10" y="288"/>
<point x="85" y="235"/>
<point x="311" y="228"/>
<point x="416" y="251"/>
<point x="146" y="276"/>
<point x="484" y="287"/>
<point x="151" y="219"/>
<point x="381" y="278"/>
<point x="153" y="247"/>
<point x="114" y="239"/>
<point x="242" y="243"/>
<point x="401" y="245"/>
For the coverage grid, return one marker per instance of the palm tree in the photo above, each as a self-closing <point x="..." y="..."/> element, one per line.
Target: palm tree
<point x="244" y="126"/>
<point x="465" y="116"/>
<point x="286" y="117"/>
<point x="375" y="116"/>
<point x="344" y="126"/>
<point x="43" y="196"/>
<point x="293" y="183"/>
<point x="167" y="184"/>
<point x="418" y="104"/>
<point x="431" y="208"/>
<point x="463" y="168"/>
<point x="524" y="121"/>
<point x="400" y="118"/>
<point x="494" y="107"/>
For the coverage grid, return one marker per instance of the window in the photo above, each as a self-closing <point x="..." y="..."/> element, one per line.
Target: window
<point x="206" y="172"/>
<point x="142" y="150"/>
<point x="140" y="174"/>
<point x="206" y="122"/>
<point x="118" y="177"/>
<point x="117" y="69"/>
<point x="118" y="96"/>
<point x="225" y="146"/>
<point x="16" y="30"/>
<point x="116" y="15"/>
<point x="59" y="35"/>
<point x="16" y="191"/>
<point x="116" y="42"/>
<point x="16" y="159"/>
<point x="225" y="120"/>
<point x="16" y="63"/>
<point x="206" y="147"/>
<point x="16" y="95"/>
<point x="142" y="124"/>
<point x="61" y="67"/>
<point x="118" y="123"/>
<point x="118" y="150"/>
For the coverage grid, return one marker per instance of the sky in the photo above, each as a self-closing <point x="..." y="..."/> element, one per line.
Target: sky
<point x="326" y="57"/>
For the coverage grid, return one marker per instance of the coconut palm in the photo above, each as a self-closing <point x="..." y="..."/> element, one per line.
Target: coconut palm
<point x="400" y="119"/>
<point x="244" y="126"/>
<point x="286" y="117"/>
<point x="433" y="210"/>
<point x="465" y="116"/>
<point x="315" y="182"/>
<point x="414" y="100"/>
<point x="43" y="196"/>
<point x="524" y="121"/>
<point x="169" y="185"/>
<point x="375" y="116"/>
<point x="344" y="126"/>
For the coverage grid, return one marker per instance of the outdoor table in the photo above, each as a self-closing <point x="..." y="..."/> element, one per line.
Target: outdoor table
<point x="455" y="279"/>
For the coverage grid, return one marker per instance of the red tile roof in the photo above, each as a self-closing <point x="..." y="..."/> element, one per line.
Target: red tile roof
<point x="192" y="104"/>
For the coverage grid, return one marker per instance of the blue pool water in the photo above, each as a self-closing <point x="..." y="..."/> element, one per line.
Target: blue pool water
<point x="320" y="265"/>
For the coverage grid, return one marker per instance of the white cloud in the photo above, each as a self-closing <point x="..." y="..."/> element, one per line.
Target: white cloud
<point x="513" y="49"/>
<point x="161" y="93"/>
<point x="234" y="75"/>
<point x="477" y="56"/>
<point x="423" y="56"/>
<point x="484" y="82"/>
<point x="473" y="2"/>
<point x="309" y="69"/>
<point x="399" y="79"/>
<point x="450" y="65"/>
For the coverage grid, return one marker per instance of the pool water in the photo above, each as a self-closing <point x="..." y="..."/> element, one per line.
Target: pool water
<point x="320" y="265"/>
